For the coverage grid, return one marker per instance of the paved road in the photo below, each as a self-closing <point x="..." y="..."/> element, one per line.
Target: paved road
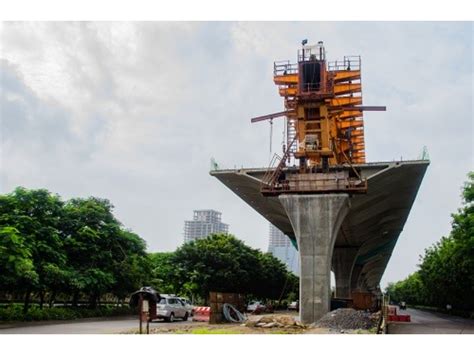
<point x="109" y="326"/>
<point x="423" y="322"/>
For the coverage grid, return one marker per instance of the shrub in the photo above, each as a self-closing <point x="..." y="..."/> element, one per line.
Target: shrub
<point x="14" y="312"/>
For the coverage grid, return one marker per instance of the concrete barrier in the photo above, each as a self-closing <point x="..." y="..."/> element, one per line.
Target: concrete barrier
<point x="201" y="314"/>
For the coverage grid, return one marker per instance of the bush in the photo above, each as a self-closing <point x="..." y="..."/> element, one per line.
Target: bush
<point x="11" y="313"/>
<point x="14" y="312"/>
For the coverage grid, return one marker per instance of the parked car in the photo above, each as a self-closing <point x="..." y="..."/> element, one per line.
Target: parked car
<point x="171" y="307"/>
<point x="293" y="306"/>
<point x="256" y="307"/>
<point x="188" y="305"/>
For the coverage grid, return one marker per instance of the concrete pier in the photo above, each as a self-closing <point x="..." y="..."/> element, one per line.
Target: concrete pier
<point x="316" y="220"/>
<point x="343" y="260"/>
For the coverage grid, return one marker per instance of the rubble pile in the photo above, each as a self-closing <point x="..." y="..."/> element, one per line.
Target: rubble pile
<point x="275" y="322"/>
<point x="348" y="318"/>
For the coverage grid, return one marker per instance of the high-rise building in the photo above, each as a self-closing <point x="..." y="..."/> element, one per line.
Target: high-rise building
<point x="280" y="247"/>
<point x="204" y="222"/>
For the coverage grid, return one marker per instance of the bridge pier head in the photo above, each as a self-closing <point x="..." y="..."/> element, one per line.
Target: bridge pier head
<point x="316" y="220"/>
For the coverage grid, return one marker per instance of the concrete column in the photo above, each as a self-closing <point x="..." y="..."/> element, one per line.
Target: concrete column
<point x="316" y="220"/>
<point x="343" y="260"/>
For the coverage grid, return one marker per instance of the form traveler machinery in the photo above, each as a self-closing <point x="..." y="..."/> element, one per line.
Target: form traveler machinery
<point x="324" y="125"/>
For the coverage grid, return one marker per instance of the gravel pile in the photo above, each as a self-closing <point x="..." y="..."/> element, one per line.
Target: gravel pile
<point x="348" y="318"/>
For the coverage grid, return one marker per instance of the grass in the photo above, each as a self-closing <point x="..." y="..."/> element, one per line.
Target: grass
<point x="209" y="331"/>
<point x="220" y="329"/>
<point x="215" y="331"/>
<point x="372" y="330"/>
<point x="287" y="332"/>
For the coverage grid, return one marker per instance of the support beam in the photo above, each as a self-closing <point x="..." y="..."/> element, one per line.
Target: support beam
<point x="316" y="220"/>
<point x="343" y="260"/>
<point x="271" y="116"/>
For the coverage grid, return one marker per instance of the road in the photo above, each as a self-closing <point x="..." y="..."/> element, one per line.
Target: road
<point x="423" y="322"/>
<point x="108" y="326"/>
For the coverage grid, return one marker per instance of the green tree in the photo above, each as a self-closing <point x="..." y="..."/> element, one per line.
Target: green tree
<point x="219" y="262"/>
<point x="75" y="248"/>
<point x="223" y="263"/>
<point x="447" y="268"/>
<point x="446" y="272"/>
<point x="36" y="215"/>
<point x="132" y="267"/>
<point x="102" y="256"/>
<point x="164" y="273"/>
<point x="272" y="278"/>
<point x="16" y="263"/>
<point x="410" y="290"/>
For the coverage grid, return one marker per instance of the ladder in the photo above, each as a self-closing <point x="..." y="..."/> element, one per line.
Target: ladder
<point x="270" y="179"/>
<point x="290" y="137"/>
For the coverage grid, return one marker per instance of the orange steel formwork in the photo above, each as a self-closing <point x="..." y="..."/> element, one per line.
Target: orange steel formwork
<point x="325" y="125"/>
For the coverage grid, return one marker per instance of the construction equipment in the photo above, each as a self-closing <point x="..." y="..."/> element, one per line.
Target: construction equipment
<point x="324" y="125"/>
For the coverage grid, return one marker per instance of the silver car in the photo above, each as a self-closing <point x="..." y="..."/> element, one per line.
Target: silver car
<point x="170" y="308"/>
<point x="188" y="305"/>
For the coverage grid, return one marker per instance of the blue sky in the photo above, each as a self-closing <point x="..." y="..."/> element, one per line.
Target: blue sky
<point x="133" y="112"/>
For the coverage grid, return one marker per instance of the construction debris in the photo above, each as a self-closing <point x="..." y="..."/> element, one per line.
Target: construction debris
<point x="275" y="322"/>
<point x="348" y="318"/>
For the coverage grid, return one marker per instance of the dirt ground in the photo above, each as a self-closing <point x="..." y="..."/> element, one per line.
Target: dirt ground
<point x="234" y="328"/>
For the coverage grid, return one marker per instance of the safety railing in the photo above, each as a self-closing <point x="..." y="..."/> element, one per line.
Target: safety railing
<point x="284" y="67"/>
<point x="271" y="177"/>
<point x="308" y="53"/>
<point x="268" y="178"/>
<point x="321" y="87"/>
<point x="351" y="62"/>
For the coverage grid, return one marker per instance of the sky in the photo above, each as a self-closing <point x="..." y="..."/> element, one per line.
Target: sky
<point x="134" y="112"/>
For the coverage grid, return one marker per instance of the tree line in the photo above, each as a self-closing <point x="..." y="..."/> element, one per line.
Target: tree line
<point x="74" y="248"/>
<point x="77" y="249"/>
<point x="223" y="263"/>
<point x="446" y="272"/>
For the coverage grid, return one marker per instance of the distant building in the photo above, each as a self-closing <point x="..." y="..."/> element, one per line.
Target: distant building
<point x="280" y="247"/>
<point x="204" y="222"/>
